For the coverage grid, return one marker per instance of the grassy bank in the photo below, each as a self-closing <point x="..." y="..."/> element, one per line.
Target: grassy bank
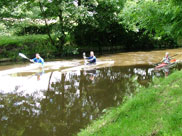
<point x="10" y="46"/>
<point x="154" y="111"/>
<point x="9" y="40"/>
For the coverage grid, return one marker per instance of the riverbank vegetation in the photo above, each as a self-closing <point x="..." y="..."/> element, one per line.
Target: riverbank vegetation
<point x="11" y="46"/>
<point x="153" y="111"/>
<point x="72" y="26"/>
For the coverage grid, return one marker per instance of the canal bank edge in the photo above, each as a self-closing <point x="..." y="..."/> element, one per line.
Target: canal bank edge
<point x="153" y="111"/>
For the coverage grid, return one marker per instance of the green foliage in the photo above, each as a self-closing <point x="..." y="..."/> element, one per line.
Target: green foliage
<point x="101" y="28"/>
<point x="3" y="29"/>
<point x="69" y="14"/>
<point x="159" y="20"/>
<point x="130" y="24"/>
<point x="69" y="50"/>
<point x="32" y="29"/>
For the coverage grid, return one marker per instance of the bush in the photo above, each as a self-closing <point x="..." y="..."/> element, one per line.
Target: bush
<point x="32" y="30"/>
<point x="69" y="50"/>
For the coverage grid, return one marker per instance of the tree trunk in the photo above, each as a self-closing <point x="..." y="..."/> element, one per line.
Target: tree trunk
<point x="62" y="37"/>
<point x="79" y="2"/>
<point x="45" y="20"/>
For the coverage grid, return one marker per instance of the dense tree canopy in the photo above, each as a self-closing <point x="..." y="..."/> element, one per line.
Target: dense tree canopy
<point x="130" y="24"/>
<point x="158" y="19"/>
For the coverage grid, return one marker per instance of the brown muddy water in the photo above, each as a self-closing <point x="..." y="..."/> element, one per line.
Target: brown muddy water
<point x="65" y="96"/>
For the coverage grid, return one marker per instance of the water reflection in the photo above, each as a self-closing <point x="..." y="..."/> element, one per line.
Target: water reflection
<point x="69" y="101"/>
<point x="39" y="74"/>
<point x="92" y="73"/>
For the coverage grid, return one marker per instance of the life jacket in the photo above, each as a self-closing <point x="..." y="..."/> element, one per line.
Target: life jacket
<point x="166" y="59"/>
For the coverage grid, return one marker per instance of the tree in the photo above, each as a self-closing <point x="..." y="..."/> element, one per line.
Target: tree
<point x="160" y="20"/>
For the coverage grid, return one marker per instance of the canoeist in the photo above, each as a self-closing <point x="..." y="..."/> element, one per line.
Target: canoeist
<point x="91" y="59"/>
<point x="166" y="63"/>
<point x="166" y="59"/>
<point x="37" y="59"/>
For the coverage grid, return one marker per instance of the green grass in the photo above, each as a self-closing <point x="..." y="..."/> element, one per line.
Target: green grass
<point x="154" y="111"/>
<point x="10" y="46"/>
<point x="8" y="40"/>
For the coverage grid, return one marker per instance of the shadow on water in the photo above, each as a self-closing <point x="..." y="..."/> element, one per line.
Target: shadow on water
<point x="70" y="103"/>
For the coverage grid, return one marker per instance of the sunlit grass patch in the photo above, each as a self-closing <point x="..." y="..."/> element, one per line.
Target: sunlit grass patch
<point x="8" y="40"/>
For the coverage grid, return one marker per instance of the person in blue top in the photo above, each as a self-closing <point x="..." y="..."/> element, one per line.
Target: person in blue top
<point x="91" y="59"/>
<point x="37" y="59"/>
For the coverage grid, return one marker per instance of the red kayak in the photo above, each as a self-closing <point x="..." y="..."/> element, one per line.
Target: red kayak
<point x="166" y="65"/>
<point x="161" y="65"/>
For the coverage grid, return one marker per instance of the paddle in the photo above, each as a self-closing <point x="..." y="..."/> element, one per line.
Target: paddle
<point x="84" y="57"/>
<point x="170" y="57"/>
<point x="25" y="57"/>
<point x="174" y="55"/>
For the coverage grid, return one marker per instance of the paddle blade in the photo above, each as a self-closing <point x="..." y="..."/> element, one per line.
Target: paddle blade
<point x="23" y="56"/>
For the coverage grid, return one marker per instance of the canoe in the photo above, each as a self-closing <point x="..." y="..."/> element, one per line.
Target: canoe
<point x="161" y="66"/>
<point x="37" y="67"/>
<point x="100" y="64"/>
